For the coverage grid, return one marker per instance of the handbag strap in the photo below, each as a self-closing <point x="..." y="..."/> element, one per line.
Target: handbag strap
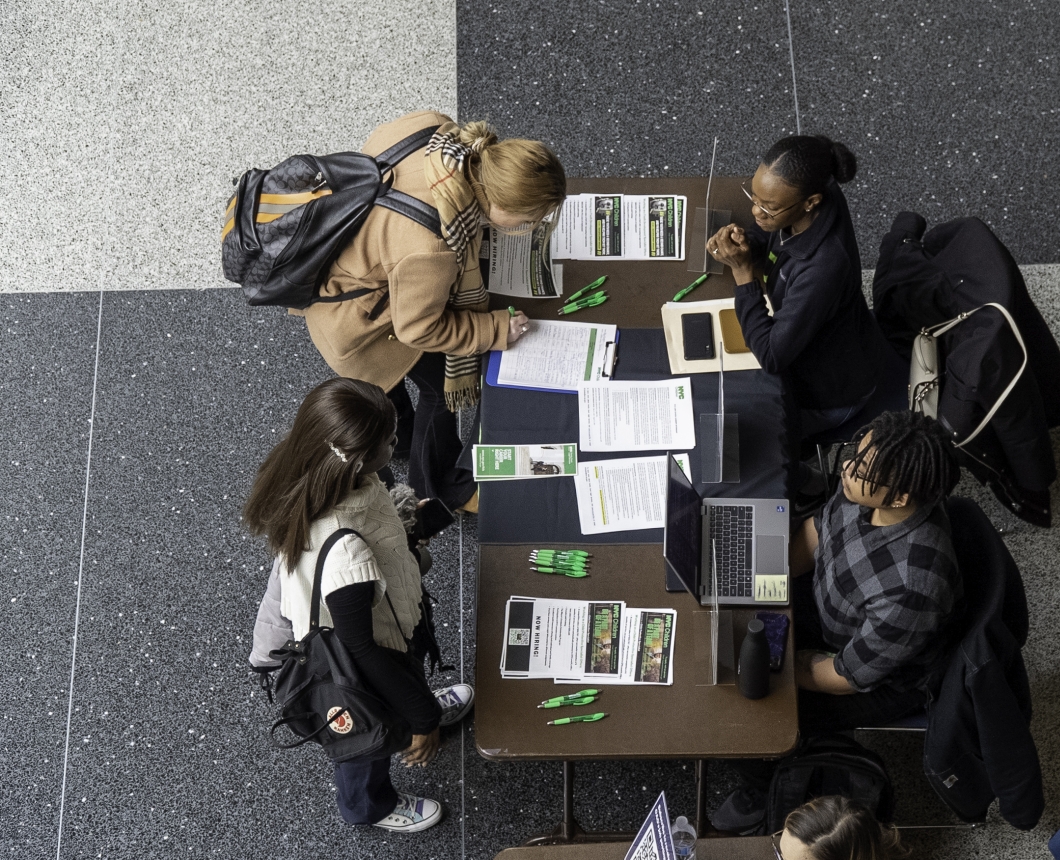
<point x="318" y="575"/>
<point x="942" y="328"/>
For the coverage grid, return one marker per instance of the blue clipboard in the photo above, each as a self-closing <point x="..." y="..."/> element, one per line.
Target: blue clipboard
<point x="493" y="367"/>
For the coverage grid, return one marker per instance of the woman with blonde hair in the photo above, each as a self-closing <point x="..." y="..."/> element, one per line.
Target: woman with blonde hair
<point x="422" y="309"/>
<point x="835" y="828"/>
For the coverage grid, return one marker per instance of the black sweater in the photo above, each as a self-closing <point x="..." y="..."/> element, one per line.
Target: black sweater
<point x="822" y="336"/>
<point x="388" y="672"/>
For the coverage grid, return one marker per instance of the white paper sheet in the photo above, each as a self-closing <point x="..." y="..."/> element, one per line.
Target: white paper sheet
<point x="636" y="416"/>
<point x="558" y="355"/>
<point x="621" y="226"/>
<point x="646" y="648"/>
<point x="625" y="494"/>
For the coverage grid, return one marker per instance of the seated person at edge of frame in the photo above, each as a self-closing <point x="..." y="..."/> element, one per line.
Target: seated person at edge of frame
<point x="426" y="317"/>
<point x="835" y="828"/>
<point x="872" y="620"/>
<point x="822" y="336"/>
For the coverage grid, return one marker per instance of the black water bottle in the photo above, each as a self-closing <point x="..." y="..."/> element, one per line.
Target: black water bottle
<point x="753" y="671"/>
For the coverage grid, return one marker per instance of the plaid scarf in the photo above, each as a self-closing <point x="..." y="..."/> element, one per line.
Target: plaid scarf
<point x="448" y="174"/>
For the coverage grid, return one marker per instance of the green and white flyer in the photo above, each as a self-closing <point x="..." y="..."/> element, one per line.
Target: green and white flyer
<point x="500" y="462"/>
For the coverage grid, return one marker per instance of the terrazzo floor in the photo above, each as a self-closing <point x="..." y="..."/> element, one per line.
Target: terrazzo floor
<point x="140" y="395"/>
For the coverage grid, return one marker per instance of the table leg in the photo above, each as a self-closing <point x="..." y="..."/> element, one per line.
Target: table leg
<point x="704" y="828"/>
<point x="569" y="830"/>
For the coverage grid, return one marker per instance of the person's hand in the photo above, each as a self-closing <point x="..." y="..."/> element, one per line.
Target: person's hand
<point x="427" y="540"/>
<point x="422" y="749"/>
<point x="518" y="325"/>
<point x="730" y="246"/>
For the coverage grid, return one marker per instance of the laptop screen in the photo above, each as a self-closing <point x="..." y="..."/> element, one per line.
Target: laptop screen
<point x="683" y="535"/>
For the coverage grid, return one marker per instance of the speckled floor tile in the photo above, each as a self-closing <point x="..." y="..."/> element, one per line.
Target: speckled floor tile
<point x="630" y="88"/>
<point x="949" y="107"/>
<point x="46" y="369"/>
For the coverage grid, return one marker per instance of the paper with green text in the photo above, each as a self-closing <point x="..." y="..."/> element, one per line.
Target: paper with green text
<point x="501" y="462"/>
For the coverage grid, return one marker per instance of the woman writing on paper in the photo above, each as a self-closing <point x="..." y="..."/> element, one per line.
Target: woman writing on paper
<point x="822" y="336"/>
<point x="427" y="317"/>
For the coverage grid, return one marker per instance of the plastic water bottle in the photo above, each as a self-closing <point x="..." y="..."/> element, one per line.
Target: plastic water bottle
<point x="684" y="838"/>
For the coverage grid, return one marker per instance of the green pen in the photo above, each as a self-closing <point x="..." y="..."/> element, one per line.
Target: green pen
<point x="558" y="556"/>
<point x="691" y="286"/>
<point x="560" y="565"/>
<point x="580" y="694"/>
<point x="585" y="700"/>
<point x="572" y="303"/>
<point x="511" y="310"/>
<point x="581" y="553"/>
<point x="586" y="718"/>
<point x="591" y="302"/>
<point x="576" y="574"/>
<point x="599" y="282"/>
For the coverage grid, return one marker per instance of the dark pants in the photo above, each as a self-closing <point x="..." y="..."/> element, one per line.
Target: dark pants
<point x="435" y="443"/>
<point x="365" y="793"/>
<point x="823" y="713"/>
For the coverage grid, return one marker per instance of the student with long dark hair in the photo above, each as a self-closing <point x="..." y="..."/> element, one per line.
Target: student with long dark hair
<point x="320" y="478"/>
<point x="821" y="336"/>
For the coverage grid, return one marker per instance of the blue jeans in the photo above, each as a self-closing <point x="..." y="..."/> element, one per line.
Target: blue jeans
<point x="365" y="793"/>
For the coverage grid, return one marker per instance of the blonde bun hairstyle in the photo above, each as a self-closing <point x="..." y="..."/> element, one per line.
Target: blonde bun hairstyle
<point x="523" y="177"/>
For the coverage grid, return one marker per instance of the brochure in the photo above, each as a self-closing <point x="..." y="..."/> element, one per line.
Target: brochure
<point x="501" y="462"/>
<point x="519" y="267"/>
<point x="654" y="840"/>
<point x="621" y="226"/>
<point x="645" y="650"/>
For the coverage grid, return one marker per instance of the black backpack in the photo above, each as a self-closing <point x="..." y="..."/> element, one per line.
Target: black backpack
<point x="822" y="766"/>
<point x="322" y="696"/>
<point x="284" y="227"/>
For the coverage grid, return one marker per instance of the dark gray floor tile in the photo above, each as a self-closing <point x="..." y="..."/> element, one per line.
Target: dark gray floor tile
<point x="950" y="108"/>
<point x="624" y="89"/>
<point x="171" y="754"/>
<point x="46" y="368"/>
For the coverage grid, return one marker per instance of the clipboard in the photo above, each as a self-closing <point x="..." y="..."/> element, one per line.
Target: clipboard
<point x="493" y="366"/>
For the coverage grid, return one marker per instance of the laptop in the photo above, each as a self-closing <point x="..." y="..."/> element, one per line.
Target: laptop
<point x="742" y="544"/>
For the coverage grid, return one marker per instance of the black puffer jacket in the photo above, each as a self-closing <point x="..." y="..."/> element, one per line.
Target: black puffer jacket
<point x="927" y="278"/>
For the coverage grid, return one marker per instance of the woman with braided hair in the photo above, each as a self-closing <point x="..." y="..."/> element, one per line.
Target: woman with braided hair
<point x="424" y="312"/>
<point x="821" y="336"/>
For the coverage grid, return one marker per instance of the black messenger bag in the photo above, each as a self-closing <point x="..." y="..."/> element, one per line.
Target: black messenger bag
<point x="322" y="696"/>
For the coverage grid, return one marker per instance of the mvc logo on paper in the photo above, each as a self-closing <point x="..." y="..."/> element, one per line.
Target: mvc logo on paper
<point x="343" y="725"/>
<point x="680" y="392"/>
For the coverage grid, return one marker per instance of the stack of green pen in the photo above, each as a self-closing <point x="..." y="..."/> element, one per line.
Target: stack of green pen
<point x="584" y="697"/>
<point x="579" y="301"/>
<point x="565" y="562"/>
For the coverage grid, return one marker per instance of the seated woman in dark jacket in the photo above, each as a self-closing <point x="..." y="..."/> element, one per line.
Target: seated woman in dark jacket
<point x="822" y="335"/>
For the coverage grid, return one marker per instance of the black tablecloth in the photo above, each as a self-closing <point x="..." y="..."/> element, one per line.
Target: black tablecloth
<point x="545" y="510"/>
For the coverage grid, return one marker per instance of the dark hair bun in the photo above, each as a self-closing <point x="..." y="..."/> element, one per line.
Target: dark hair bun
<point x="844" y="164"/>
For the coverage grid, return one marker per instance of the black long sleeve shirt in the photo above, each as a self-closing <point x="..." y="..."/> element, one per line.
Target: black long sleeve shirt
<point x="389" y="676"/>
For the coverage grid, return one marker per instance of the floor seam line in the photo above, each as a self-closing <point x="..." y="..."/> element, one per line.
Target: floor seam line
<point x="791" y="54"/>
<point x="80" y="579"/>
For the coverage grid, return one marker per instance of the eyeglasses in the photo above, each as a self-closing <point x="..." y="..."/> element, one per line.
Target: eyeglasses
<point x="776" y="845"/>
<point x="761" y="208"/>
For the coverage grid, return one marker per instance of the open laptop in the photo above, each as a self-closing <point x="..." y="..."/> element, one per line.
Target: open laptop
<point x="748" y="538"/>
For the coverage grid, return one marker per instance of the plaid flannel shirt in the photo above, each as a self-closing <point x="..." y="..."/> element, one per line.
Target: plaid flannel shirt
<point x="885" y="593"/>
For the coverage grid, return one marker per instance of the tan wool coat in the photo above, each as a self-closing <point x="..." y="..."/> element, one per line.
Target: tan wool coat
<point x="393" y="252"/>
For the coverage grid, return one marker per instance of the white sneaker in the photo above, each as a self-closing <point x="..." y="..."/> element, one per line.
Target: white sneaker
<point x="456" y="701"/>
<point x="412" y="814"/>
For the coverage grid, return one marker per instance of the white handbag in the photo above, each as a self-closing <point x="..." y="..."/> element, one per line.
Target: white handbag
<point x="924" y="369"/>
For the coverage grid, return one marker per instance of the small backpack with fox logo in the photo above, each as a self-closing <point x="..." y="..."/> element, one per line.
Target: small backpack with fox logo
<point x="284" y="227"/>
<point x="829" y="765"/>
<point x="323" y="697"/>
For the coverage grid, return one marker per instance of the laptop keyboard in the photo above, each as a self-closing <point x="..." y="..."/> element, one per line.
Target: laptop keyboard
<point x="732" y="532"/>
